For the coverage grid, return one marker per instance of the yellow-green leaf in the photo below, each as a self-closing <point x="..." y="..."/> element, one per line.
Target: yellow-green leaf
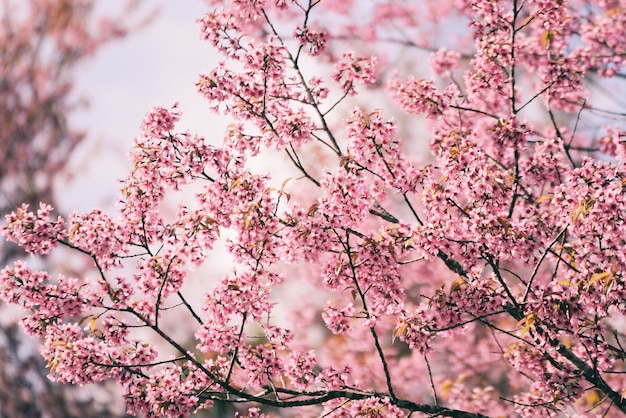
<point x="547" y="38"/>
<point x="526" y="323"/>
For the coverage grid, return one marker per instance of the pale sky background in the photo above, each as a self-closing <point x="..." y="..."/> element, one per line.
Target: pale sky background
<point x="155" y="66"/>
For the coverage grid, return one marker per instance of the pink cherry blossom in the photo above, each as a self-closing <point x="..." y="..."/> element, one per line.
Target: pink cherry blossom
<point x="483" y="279"/>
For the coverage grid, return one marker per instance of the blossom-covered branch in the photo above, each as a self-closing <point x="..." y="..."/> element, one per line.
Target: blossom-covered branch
<point x="486" y="278"/>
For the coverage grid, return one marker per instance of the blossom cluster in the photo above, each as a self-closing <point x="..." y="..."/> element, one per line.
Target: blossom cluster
<point x="491" y="270"/>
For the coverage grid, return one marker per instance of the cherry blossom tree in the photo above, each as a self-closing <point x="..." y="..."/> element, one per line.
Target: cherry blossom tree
<point x="484" y="279"/>
<point x="41" y="44"/>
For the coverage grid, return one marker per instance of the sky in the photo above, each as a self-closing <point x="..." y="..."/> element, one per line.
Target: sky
<point x="154" y="66"/>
